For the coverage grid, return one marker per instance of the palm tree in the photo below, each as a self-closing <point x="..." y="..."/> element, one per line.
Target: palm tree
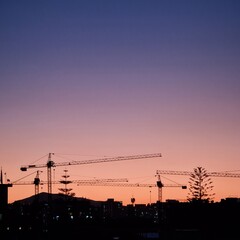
<point x="200" y="186"/>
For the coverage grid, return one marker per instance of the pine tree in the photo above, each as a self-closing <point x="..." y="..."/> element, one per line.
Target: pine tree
<point x="200" y="186"/>
<point x="66" y="191"/>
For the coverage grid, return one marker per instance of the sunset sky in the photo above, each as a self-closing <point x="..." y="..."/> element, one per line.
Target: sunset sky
<point x="95" y="78"/>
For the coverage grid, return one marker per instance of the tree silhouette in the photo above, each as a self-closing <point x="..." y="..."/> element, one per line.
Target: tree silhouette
<point x="200" y="186"/>
<point x="66" y="191"/>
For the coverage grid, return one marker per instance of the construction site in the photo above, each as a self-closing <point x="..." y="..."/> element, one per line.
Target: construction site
<point x="50" y="215"/>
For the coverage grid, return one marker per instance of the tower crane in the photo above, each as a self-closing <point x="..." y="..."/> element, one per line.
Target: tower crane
<point x="159" y="185"/>
<point x="36" y="181"/>
<point x="108" y="182"/>
<point x="50" y="163"/>
<point x="210" y="174"/>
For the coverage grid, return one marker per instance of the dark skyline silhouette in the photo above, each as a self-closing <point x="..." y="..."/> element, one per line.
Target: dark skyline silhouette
<point x="73" y="217"/>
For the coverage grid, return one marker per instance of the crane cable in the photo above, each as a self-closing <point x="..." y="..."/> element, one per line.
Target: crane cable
<point x="25" y="176"/>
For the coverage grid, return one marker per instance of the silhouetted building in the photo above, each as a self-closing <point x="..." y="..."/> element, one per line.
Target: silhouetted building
<point x="82" y="218"/>
<point x="4" y="195"/>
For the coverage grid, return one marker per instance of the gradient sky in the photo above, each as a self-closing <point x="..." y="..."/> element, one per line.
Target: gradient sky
<point x="107" y="78"/>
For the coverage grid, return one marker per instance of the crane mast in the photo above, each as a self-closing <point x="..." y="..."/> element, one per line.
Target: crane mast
<point x="160" y="185"/>
<point x="50" y="164"/>
<point x="37" y="183"/>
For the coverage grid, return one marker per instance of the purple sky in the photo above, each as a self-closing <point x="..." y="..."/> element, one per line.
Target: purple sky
<point x="109" y="78"/>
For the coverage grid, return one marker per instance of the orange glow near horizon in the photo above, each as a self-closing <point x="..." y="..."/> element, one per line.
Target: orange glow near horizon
<point x="140" y="171"/>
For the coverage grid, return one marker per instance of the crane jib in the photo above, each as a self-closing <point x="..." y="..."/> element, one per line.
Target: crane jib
<point x="51" y="163"/>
